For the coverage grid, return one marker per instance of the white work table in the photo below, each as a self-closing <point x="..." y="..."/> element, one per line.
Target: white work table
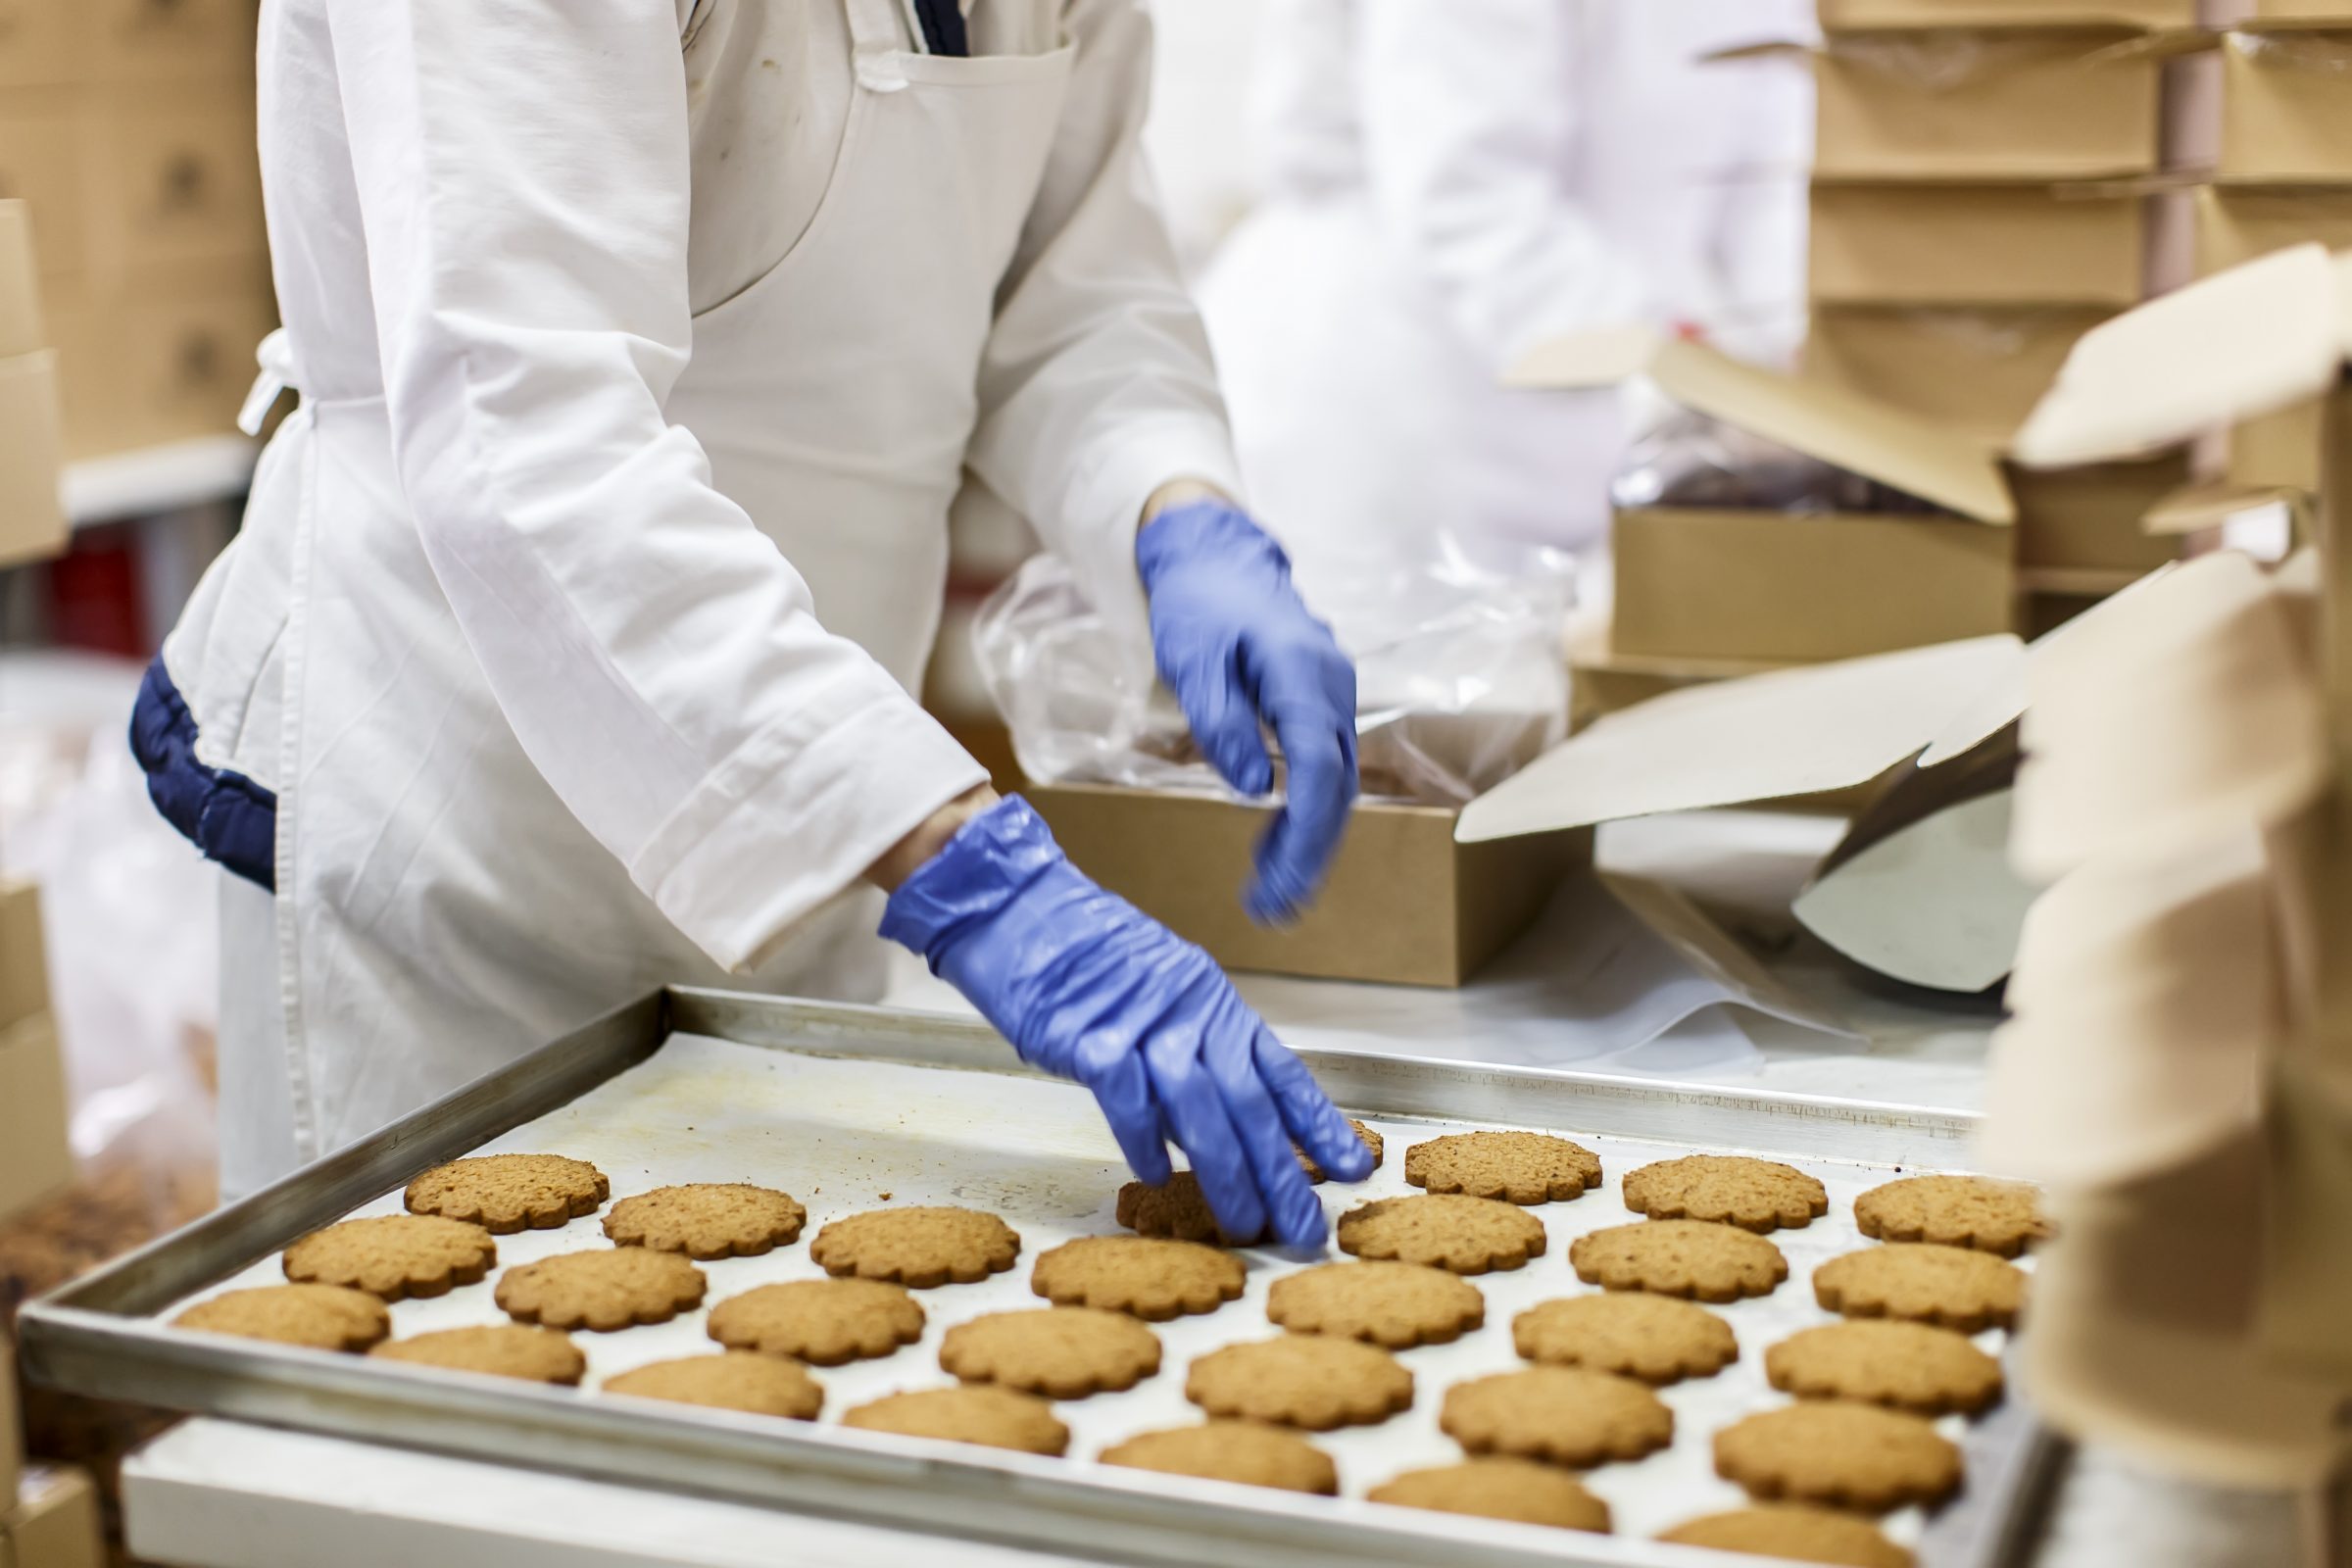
<point x="221" y="1495"/>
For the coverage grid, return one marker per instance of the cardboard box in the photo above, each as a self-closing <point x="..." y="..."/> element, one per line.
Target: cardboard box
<point x="11" y="1420"/>
<point x="1978" y="371"/>
<point x="150" y="368"/>
<point x="1975" y="106"/>
<point x="21" y="328"/>
<point x="175" y="181"/>
<point x="2093" y="519"/>
<point x="1405" y="903"/>
<point x="1979" y="244"/>
<point x="1602" y="681"/>
<point x="2284" y="450"/>
<point x="36" y="43"/>
<point x="1770" y="584"/>
<point x="43" y="163"/>
<point x="54" y="1523"/>
<point x="125" y="40"/>
<point x="34" y="1155"/>
<point x="1875" y="15"/>
<point x="2235" y="224"/>
<point x="2300" y="12"/>
<point x="32" y="517"/>
<point x="2286" y="107"/>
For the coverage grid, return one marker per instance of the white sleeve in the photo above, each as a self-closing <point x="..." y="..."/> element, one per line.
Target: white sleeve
<point x="1469" y="119"/>
<point x="1098" y="387"/>
<point x="522" y="171"/>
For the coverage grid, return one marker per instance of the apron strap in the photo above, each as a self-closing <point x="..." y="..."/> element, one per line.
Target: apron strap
<point x="275" y="356"/>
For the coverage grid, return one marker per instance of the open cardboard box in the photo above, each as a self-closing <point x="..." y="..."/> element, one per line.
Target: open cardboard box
<point x="1715" y="583"/>
<point x="1977" y="370"/>
<point x="2286" y="115"/>
<point x="35" y="1156"/>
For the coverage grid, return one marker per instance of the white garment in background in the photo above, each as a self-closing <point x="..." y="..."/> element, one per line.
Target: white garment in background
<point x="642" y="353"/>
<point x="1449" y="181"/>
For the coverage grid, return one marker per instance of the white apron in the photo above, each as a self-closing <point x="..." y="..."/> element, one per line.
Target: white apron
<point x="440" y="910"/>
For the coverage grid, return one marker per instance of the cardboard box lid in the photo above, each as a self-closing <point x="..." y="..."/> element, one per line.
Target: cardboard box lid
<point x="1765" y="737"/>
<point x="1816" y="419"/>
<point x="2261" y="336"/>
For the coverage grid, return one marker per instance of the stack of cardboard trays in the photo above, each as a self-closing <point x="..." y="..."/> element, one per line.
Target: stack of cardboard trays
<point x="32" y="522"/>
<point x="1985" y="192"/>
<point x="2282" y="176"/>
<point x="127" y="126"/>
<point x="48" y="1513"/>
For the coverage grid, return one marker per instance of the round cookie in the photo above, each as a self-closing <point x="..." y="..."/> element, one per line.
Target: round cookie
<point x="1686" y="1257"/>
<point x="2003" y="1219"/>
<point x="1301" y="1381"/>
<point x="1842" y="1456"/>
<point x="1447" y="1231"/>
<point x="1518" y="1489"/>
<point x="822" y="1322"/>
<point x="536" y="1355"/>
<point x="605" y="1290"/>
<point x="1905" y="1366"/>
<point x="1176" y="1211"/>
<point x="1517" y="1167"/>
<point x="733" y="1380"/>
<point x="1232" y="1450"/>
<point x="320" y="1317"/>
<point x="1793" y="1534"/>
<point x="505" y="1193"/>
<point x="1370" y="1140"/>
<point x="1654" y="1337"/>
<point x="1919" y="1282"/>
<point x="1145" y="1277"/>
<point x="708" y="1219"/>
<point x="1563" y="1415"/>
<point x="970" y="1412"/>
<point x="1065" y="1352"/>
<point x="918" y="1248"/>
<point x="394" y="1256"/>
<point x="1395" y="1305"/>
<point x="1755" y="1195"/>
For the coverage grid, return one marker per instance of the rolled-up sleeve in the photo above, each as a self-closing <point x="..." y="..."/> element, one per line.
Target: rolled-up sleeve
<point x="523" y="169"/>
<point x="1098" y="386"/>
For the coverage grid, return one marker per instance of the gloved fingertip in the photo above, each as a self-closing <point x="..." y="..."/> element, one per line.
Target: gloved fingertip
<point x="1150" y="1162"/>
<point x="1267" y="907"/>
<point x="1298" y="1218"/>
<point x="1354" y="1166"/>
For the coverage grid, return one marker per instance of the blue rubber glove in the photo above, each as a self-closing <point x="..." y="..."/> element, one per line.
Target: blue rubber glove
<point x="1086" y="988"/>
<point x="1239" y="650"/>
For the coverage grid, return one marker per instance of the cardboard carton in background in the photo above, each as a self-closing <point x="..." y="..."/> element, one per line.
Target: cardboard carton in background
<point x="1869" y="15"/>
<point x="2093" y="519"/>
<point x="42" y="165"/>
<point x="1976" y="370"/>
<point x="2235" y="224"/>
<point x="35" y="1156"/>
<point x="1978" y="244"/>
<point x="2286" y="107"/>
<point x="2018" y="105"/>
<point x="54" y="1523"/>
<point x="32" y="520"/>
<point x="1405" y="905"/>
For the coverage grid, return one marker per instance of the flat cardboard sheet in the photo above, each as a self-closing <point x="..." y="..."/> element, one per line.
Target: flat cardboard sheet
<point x="1978" y="244"/>
<point x="2245" y="342"/>
<point x="1767" y="737"/>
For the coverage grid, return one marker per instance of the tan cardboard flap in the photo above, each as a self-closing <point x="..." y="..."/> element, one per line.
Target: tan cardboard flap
<point x="2286" y="106"/>
<point x="1972" y="371"/>
<point x="1817" y="419"/>
<point x="2199" y="507"/>
<point x="1838" y="15"/>
<point x="1762" y="738"/>
<point x="2241" y="343"/>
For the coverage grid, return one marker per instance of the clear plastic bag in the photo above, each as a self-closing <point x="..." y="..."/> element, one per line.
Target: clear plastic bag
<point x="1461" y="677"/>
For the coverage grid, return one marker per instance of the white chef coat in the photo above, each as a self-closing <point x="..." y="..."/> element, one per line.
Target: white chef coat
<point x="1449" y="181"/>
<point x="642" y="349"/>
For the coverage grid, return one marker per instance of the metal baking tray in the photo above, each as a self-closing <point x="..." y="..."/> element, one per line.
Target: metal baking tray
<point x="842" y="1106"/>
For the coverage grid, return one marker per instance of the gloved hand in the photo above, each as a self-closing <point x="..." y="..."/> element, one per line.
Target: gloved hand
<point x="1086" y="988"/>
<point x="1237" y="647"/>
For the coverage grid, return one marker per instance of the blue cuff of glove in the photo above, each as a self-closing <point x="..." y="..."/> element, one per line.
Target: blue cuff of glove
<point x="985" y="867"/>
<point x="1216" y="529"/>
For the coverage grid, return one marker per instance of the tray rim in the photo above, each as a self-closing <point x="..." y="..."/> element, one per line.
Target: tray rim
<point x="94" y="1336"/>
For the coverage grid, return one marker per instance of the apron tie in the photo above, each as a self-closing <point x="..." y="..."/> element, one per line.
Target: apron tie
<point x="275" y="356"/>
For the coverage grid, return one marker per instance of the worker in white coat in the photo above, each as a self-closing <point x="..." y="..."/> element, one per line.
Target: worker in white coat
<point x="1448" y="182"/>
<point x="642" y="347"/>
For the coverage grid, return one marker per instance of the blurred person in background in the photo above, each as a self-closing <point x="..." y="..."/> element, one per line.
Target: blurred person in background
<point x="1448" y="182"/>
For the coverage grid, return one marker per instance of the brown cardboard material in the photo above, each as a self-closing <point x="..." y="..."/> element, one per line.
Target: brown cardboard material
<point x="2235" y="224"/>
<point x="149" y="367"/>
<point x="33" y="519"/>
<point x="36" y="44"/>
<point x="2093" y="519"/>
<point x="2282" y="450"/>
<point x="1863" y="15"/>
<point x="12" y="1421"/>
<point x="177" y="181"/>
<point x="2286" y="107"/>
<point x="21" y="328"/>
<point x="1757" y="585"/>
<point x="24" y="964"/>
<point x="1978" y="244"/>
<point x="1985" y="105"/>
<point x="139" y="40"/>
<point x="44" y="163"/>
<point x="1405" y="903"/>
<point x="35" y="1158"/>
<point x="1978" y="371"/>
<point x="54" y="1523"/>
<point x="1602" y="681"/>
